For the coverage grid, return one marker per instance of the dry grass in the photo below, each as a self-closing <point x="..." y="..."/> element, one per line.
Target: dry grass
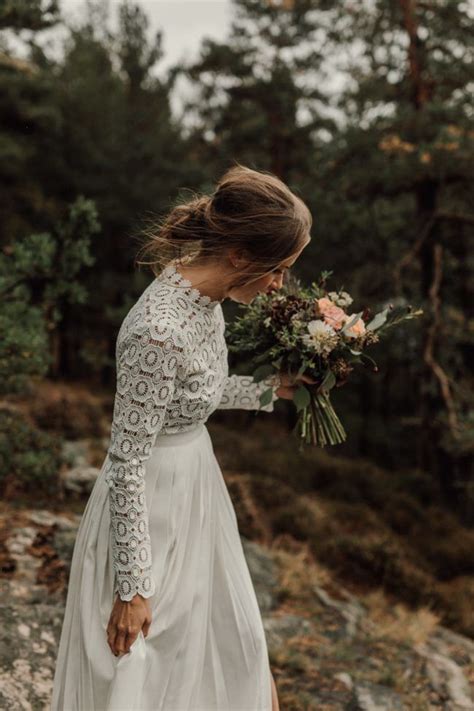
<point x="398" y="622"/>
<point x="299" y="571"/>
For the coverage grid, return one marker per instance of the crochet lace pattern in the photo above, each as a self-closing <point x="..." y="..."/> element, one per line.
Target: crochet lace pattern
<point x="172" y="373"/>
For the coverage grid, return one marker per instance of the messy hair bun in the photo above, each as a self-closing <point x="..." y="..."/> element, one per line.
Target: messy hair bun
<point x="253" y="211"/>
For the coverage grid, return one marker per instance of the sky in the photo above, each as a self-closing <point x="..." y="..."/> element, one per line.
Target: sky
<point x="183" y="23"/>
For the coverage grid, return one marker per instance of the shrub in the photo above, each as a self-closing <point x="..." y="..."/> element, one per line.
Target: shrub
<point x="29" y="459"/>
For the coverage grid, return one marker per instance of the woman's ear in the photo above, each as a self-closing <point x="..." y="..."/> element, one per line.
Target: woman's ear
<point x="239" y="257"/>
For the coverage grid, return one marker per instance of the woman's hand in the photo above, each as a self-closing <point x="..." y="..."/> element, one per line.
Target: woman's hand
<point x="126" y="620"/>
<point x="289" y="384"/>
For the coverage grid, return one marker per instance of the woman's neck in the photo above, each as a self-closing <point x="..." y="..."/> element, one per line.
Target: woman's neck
<point x="206" y="278"/>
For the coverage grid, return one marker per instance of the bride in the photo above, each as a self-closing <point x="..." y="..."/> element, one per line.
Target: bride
<point x="161" y="613"/>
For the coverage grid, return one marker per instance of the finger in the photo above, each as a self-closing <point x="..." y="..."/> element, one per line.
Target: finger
<point x="130" y="639"/>
<point x="120" y="643"/>
<point x="146" y="627"/>
<point x="309" y="379"/>
<point x="111" y="639"/>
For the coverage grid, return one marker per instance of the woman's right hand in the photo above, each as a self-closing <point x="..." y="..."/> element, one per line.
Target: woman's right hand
<point x="126" y="620"/>
<point x="289" y="384"/>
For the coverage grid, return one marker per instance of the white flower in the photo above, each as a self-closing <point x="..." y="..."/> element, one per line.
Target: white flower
<point x="321" y="336"/>
<point x="267" y="321"/>
<point x="340" y="298"/>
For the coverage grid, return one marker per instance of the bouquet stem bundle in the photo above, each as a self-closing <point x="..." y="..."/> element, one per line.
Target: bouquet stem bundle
<point x="318" y="423"/>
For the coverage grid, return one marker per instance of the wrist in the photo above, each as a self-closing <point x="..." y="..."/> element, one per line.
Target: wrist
<point x="276" y="383"/>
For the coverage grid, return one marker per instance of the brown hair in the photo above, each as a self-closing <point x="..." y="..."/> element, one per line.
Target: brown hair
<point x="253" y="211"/>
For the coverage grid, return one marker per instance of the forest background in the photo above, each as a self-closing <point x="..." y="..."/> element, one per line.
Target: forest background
<point x="91" y="150"/>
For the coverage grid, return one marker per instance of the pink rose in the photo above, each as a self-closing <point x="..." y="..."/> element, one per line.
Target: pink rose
<point x="332" y="314"/>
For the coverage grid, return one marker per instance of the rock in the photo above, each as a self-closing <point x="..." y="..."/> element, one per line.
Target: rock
<point x="263" y="572"/>
<point x="451" y="643"/>
<point x="76" y="452"/>
<point x="64" y="546"/>
<point x="28" y="646"/>
<point x="43" y="517"/>
<point x="18" y="544"/>
<point x="80" y="479"/>
<point x="279" y="629"/>
<point x="447" y="678"/>
<point x="352" y="611"/>
<point x="375" y="697"/>
<point x="345" y="678"/>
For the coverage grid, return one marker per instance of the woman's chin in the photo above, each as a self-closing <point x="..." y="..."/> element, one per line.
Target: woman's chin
<point x="241" y="299"/>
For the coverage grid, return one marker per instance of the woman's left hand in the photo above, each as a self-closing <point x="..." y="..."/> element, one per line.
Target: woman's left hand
<point x="291" y="383"/>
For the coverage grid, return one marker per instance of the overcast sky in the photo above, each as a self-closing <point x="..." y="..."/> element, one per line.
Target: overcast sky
<point x="184" y="22"/>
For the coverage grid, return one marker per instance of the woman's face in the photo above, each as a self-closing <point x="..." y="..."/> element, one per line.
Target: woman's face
<point x="264" y="284"/>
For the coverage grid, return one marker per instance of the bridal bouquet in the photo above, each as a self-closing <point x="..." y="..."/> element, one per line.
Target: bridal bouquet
<point x="309" y="330"/>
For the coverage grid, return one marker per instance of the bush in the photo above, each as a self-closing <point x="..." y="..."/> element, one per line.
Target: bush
<point x="377" y="561"/>
<point x="29" y="459"/>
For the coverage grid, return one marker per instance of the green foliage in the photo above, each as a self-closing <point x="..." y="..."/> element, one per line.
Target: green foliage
<point x="383" y="157"/>
<point x="23" y="346"/>
<point x="28" y="14"/>
<point x="38" y="277"/>
<point x="261" y="85"/>
<point x="29" y="459"/>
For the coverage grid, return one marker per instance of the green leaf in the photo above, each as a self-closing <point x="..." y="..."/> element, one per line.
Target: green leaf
<point x="378" y="320"/>
<point x="263" y="371"/>
<point x="266" y="397"/>
<point x="301" y="397"/>
<point x="263" y="356"/>
<point x="301" y="369"/>
<point x="329" y="381"/>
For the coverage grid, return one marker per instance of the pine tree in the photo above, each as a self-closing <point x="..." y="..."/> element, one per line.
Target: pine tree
<point x="26" y="118"/>
<point x="38" y="280"/>
<point x="256" y="94"/>
<point x="407" y="153"/>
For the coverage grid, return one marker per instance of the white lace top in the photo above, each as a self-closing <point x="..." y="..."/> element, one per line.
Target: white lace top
<point x="172" y="373"/>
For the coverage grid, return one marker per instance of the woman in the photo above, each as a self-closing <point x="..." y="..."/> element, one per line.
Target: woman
<point x="161" y="613"/>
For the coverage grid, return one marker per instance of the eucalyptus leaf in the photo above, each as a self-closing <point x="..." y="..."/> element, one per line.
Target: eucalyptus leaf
<point x="263" y="356"/>
<point x="301" y="370"/>
<point x="301" y="397"/>
<point x="263" y="371"/>
<point x="266" y="397"/>
<point x="329" y="381"/>
<point x="378" y="320"/>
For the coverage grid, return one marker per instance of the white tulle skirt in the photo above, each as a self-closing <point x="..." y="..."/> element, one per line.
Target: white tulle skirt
<point x="206" y="647"/>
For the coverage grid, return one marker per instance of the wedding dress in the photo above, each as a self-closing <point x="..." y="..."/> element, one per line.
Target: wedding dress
<point x="160" y="522"/>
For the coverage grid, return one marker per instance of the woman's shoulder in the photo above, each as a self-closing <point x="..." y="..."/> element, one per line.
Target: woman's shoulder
<point x="155" y="315"/>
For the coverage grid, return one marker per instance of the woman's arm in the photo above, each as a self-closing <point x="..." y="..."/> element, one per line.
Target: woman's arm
<point x="241" y="391"/>
<point x="146" y="371"/>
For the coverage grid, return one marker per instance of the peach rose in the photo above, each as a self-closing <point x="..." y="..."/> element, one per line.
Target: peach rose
<point x="332" y="314"/>
<point x="357" y="329"/>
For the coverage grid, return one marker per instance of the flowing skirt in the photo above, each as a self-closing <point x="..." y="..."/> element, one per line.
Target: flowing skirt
<point x="206" y="648"/>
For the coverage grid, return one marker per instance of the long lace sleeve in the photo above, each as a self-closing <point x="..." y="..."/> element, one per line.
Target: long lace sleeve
<point x="147" y="362"/>
<point x="241" y="391"/>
